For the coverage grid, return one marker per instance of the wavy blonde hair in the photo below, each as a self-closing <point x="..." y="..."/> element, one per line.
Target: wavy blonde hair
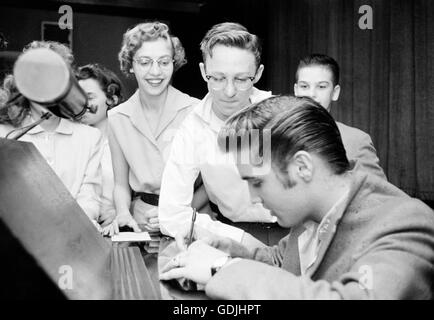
<point x="148" y="31"/>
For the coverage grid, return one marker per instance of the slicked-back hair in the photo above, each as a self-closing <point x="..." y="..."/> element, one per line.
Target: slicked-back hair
<point x="322" y="60"/>
<point x="296" y="124"/>
<point x="107" y="80"/>
<point x="231" y="34"/>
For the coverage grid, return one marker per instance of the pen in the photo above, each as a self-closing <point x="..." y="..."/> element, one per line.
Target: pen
<point x="193" y="219"/>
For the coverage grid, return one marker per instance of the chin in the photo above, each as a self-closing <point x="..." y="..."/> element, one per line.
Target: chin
<point x="154" y="91"/>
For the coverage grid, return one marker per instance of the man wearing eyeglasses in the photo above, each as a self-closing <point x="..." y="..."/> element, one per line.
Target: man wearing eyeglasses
<point x="231" y="66"/>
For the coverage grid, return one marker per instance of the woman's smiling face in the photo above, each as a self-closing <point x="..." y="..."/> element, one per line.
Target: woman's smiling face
<point x="153" y="66"/>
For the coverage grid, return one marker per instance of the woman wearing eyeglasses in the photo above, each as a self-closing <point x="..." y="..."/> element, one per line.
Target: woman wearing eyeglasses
<point x="141" y="129"/>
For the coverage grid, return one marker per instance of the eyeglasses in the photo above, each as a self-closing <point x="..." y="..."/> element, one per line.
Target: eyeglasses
<point x="240" y="83"/>
<point x="147" y="63"/>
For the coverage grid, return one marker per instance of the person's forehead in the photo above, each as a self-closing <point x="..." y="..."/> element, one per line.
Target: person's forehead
<point x="154" y="48"/>
<point x="90" y="85"/>
<point x="230" y="60"/>
<point x="315" y="73"/>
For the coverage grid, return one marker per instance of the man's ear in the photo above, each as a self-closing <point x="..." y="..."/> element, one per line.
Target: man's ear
<point x="259" y="73"/>
<point x="336" y="92"/>
<point x="301" y="166"/>
<point x="295" y="89"/>
<point x="202" y="71"/>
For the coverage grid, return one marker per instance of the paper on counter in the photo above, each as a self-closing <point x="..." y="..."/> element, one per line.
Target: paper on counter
<point x="131" y="237"/>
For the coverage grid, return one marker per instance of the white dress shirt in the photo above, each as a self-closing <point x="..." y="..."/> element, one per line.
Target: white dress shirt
<point x="74" y="152"/>
<point x="195" y="150"/>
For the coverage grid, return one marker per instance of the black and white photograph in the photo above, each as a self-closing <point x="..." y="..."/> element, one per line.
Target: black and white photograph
<point x="218" y="155"/>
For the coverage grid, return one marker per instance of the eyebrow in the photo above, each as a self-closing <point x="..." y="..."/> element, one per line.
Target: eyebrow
<point x="237" y="75"/>
<point x="148" y="57"/>
<point x="307" y="82"/>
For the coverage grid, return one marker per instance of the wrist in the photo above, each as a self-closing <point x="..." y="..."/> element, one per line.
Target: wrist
<point x="123" y="213"/>
<point x="219" y="264"/>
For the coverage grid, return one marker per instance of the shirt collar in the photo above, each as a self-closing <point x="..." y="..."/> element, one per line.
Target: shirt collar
<point x="205" y="112"/>
<point x="65" y="127"/>
<point x="176" y="100"/>
<point x="315" y="231"/>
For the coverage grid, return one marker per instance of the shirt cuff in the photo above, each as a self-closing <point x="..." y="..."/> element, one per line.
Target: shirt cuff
<point x="221" y="229"/>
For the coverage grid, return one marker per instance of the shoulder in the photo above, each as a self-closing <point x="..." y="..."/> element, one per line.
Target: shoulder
<point x="352" y="132"/>
<point x="191" y="124"/>
<point x="86" y="133"/>
<point x="390" y="206"/>
<point x="125" y="107"/>
<point x="259" y="95"/>
<point x="182" y="99"/>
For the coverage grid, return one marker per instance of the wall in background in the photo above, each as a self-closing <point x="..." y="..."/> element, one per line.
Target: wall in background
<point x="387" y="73"/>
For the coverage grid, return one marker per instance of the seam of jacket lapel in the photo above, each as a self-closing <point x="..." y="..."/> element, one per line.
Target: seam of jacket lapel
<point x="356" y="184"/>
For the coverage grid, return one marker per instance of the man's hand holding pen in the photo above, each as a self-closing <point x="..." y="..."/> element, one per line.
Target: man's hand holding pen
<point x="190" y="233"/>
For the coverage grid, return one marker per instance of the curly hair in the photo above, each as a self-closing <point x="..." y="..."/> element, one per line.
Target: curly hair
<point x="15" y="107"/>
<point x="107" y="80"/>
<point x="57" y="47"/>
<point x="148" y="31"/>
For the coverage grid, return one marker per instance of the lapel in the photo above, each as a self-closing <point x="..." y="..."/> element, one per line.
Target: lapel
<point x="329" y="229"/>
<point x="292" y="262"/>
<point x="326" y="237"/>
<point x="175" y="102"/>
<point x="135" y="113"/>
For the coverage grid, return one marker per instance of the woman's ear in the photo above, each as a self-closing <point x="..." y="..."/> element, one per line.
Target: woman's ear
<point x="115" y="100"/>
<point x="112" y="101"/>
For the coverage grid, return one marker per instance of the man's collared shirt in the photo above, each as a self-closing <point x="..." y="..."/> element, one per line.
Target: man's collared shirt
<point x="195" y="150"/>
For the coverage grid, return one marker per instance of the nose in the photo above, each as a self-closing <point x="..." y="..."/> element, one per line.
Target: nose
<point x="312" y="93"/>
<point x="230" y="89"/>
<point x="254" y="196"/>
<point x="155" y="68"/>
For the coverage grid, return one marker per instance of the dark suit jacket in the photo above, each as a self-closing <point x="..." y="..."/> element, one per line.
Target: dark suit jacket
<point x="383" y="248"/>
<point x="359" y="146"/>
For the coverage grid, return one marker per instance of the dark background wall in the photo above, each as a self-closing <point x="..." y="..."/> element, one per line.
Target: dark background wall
<point x="387" y="73"/>
<point x="98" y="28"/>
